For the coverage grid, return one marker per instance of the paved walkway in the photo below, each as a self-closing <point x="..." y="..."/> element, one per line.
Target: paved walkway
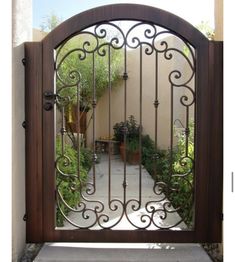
<point x="93" y="252"/>
<point x="122" y="252"/>
<point x="149" y="199"/>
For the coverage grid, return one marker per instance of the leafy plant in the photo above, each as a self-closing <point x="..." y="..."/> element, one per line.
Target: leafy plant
<point x="70" y="185"/>
<point x="155" y="161"/>
<point x="77" y="66"/>
<point x="133" y="145"/>
<point x="206" y="29"/>
<point x="182" y="165"/>
<point x="179" y="189"/>
<point x="131" y="127"/>
<point x="86" y="160"/>
<point x="118" y="131"/>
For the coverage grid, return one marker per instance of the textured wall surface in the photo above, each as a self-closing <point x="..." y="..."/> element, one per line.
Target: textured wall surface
<point x="22" y="31"/>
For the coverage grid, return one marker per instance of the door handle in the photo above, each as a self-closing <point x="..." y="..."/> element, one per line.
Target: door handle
<point x="48" y="106"/>
<point x="49" y="96"/>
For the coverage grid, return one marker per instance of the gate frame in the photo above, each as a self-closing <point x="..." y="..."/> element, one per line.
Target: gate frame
<point x="39" y="77"/>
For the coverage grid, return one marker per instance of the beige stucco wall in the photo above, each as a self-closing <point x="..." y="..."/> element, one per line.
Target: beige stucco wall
<point x="22" y="31"/>
<point x="38" y="35"/>
<point x="148" y="95"/>
<point x="219" y="20"/>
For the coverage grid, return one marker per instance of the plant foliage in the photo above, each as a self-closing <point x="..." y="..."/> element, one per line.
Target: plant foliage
<point x="69" y="185"/>
<point x="75" y="65"/>
<point x="130" y="127"/>
<point x="179" y="185"/>
<point x="174" y="169"/>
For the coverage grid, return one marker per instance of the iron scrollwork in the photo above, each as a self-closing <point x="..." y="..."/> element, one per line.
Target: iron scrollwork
<point x="97" y="41"/>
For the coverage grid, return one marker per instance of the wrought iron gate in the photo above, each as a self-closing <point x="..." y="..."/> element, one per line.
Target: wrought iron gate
<point x="142" y="79"/>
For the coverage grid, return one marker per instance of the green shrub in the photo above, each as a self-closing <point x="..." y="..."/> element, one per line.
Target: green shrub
<point x="68" y="183"/>
<point x="132" y="145"/>
<point x="86" y="160"/>
<point x="182" y="167"/>
<point x="183" y="196"/>
<point x="179" y="189"/>
<point x="155" y="161"/>
<point x="74" y="64"/>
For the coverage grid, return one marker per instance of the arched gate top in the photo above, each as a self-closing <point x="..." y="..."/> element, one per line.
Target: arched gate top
<point x="40" y="159"/>
<point x="125" y="12"/>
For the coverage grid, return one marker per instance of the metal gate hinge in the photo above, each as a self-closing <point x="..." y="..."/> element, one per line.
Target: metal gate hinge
<point x="24" y="124"/>
<point x="23" y="61"/>
<point x="25" y="217"/>
<point x="222" y="216"/>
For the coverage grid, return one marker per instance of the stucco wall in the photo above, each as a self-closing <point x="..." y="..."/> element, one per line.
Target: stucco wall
<point x="219" y="20"/>
<point x="148" y="95"/>
<point x="38" y="35"/>
<point x="22" y="31"/>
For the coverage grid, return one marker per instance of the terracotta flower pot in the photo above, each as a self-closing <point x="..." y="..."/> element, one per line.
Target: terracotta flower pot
<point x="133" y="158"/>
<point x="122" y="151"/>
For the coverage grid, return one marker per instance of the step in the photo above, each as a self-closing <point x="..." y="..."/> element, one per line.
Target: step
<point x="121" y="252"/>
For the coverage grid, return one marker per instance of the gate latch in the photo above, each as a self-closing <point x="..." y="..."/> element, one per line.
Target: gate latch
<point x="50" y="96"/>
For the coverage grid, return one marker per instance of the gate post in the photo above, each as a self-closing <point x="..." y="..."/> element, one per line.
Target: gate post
<point x="33" y="118"/>
<point x="216" y="141"/>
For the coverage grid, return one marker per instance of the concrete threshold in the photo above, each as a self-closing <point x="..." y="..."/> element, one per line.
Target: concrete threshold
<point x="121" y="252"/>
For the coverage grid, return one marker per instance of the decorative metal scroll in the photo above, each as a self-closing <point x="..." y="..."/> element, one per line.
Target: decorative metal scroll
<point x="80" y="204"/>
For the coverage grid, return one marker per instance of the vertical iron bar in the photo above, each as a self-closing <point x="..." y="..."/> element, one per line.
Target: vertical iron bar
<point x="187" y="131"/>
<point x="125" y="140"/>
<point x="156" y="97"/>
<point x="156" y="103"/>
<point x="171" y="130"/>
<point x="140" y="131"/>
<point x="78" y="129"/>
<point x="109" y="127"/>
<point x="93" y="113"/>
<point x="62" y="132"/>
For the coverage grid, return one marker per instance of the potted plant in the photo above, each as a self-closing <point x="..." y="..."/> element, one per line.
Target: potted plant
<point x="133" y="154"/>
<point x="119" y="136"/>
<point x="131" y="128"/>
